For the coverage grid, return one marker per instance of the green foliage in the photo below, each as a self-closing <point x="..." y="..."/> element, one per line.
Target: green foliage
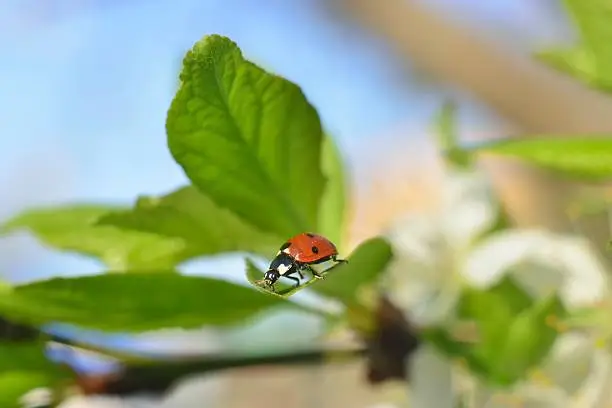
<point x="23" y="366"/>
<point x="135" y="302"/>
<point x="591" y="59"/>
<point x="249" y="139"/>
<point x="512" y="328"/>
<point x="282" y="288"/>
<point x="261" y="170"/>
<point x="340" y="281"/>
<point x="189" y="215"/>
<point x="447" y="135"/>
<point x="366" y="264"/>
<point x="579" y="158"/>
<point x="14" y="384"/>
<point x="332" y="214"/>
<point x="529" y="339"/>
<point x="23" y="356"/>
<point x="73" y="228"/>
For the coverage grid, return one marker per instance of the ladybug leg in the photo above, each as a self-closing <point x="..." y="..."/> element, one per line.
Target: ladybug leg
<point x="339" y="260"/>
<point x="293" y="278"/>
<point x="295" y="268"/>
<point x="314" y="272"/>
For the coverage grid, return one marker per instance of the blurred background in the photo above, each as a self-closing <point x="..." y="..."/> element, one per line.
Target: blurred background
<point x="85" y="85"/>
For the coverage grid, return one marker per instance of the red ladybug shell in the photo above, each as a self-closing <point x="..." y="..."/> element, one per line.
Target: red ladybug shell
<point x="309" y="248"/>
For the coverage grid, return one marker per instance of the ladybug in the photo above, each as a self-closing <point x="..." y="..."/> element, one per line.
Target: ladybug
<point x="298" y="254"/>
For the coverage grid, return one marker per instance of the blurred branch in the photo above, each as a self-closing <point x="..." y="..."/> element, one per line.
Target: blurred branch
<point x="10" y="331"/>
<point x="534" y="97"/>
<point x="158" y="377"/>
<point x="518" y="87"/>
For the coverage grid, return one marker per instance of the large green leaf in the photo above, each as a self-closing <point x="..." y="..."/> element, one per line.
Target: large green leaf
<point x="135" y="302"/>
<point x="332" y="216"/>
<point x="248" y="139"/>
<point x="581" y="158"/>
<point x="194" y="218"/>
<point x="73" y="228"/>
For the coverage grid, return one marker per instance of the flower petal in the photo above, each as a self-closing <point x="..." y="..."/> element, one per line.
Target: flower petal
<point x="570" y="361"/>
<point x="431" y="380"/>
<point x="421" y="264"/>
<point x="468" y="207"/>
<point x="541" y="262"/>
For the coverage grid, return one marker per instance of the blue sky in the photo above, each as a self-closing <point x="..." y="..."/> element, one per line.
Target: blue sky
<point x="85" y="89"/>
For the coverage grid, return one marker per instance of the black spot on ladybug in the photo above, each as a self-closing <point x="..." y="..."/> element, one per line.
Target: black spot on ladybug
<point x="315" y="250"/>
<point x="285" y="246"/>
<point x="310" y="235"/>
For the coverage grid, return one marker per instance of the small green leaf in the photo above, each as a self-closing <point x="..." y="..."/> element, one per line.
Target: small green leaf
<point x="73" y="228"/>
<point x="581" y="158"/>
<point x="446" y="126"/>
<point x="333" y="203"/>
<point x="578" y="62"/>
<point x="591" y="60"/>
<point x="367" y="262"/>
<point x="191" y="216"/>
<point x="593" y="21"/>
<point x="492" y="310"/>
<point x="23" y="367"/>
<point x="16" y="384"/>
<point x="528" y="340"/>
<point x="135" y="302"/>
<point x="447" y="135"/>
<point x="248" y="139"/>
<point x="513" y="331"/>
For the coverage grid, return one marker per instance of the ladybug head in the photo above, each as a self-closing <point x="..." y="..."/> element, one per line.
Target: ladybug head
<point x="270" y="277"/>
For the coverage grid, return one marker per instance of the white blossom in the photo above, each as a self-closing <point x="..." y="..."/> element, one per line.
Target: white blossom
<point x="437" y="254"/>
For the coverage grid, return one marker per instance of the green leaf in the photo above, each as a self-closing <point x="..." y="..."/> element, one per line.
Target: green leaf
<point x="493" y="310"/>
<point x="135" y="302"/>
<point x="591" y="60"/>
<point x="341" y="281"/>
<point x="447" y="135"/>
<point x="528" y="340"/>
<point x="15" y="384"/>
<point x="581" y="158"/>
<point x="191" y="216"/>
<point x="579" y="63"/>
<point x="23" y="367"/>
<point x="24" y="356"/>
<point x="73" y="228"/>
<point x="513" y="332"/>
<point x="248" y="139"/>
<point x="283" y="289"/>
<point x="367" y="262"/>
<point x="332" y="215"/>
